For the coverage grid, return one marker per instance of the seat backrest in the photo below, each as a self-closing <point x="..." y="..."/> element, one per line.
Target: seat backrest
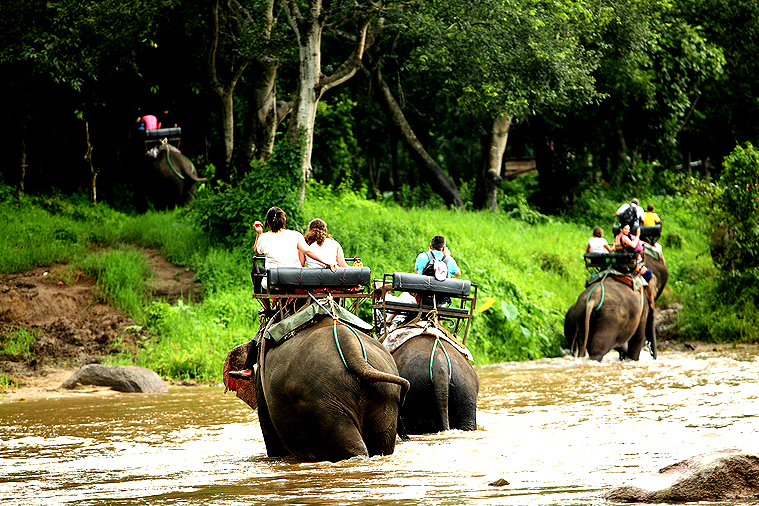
<point x="418" y="283"/>
<point x="311" y="277"/>
<point x="163" y="132"/>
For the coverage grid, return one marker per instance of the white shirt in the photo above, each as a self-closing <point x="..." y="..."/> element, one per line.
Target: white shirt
<point x="597" y="245"/>
<point x="327" y="250"/>
<point x="280" y="248"/>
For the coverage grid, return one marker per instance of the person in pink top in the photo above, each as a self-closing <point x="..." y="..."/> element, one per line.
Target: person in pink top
<point x="150" y="122"/>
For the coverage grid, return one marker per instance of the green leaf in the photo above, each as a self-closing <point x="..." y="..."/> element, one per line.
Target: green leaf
<point x="510" y="311"/>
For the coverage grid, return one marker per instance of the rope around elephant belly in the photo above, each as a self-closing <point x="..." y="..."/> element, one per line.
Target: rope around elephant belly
<point x="432" y="357"/>
<point x="603" y="292"/>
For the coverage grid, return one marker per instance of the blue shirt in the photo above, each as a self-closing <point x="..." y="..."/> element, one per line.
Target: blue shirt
<point x="423" y="259"/>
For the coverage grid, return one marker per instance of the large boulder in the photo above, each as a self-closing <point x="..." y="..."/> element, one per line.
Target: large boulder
<point x="123" y="378"/>
<point x="716" y="476"/>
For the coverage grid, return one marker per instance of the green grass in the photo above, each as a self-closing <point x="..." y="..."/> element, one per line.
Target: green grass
<point x="18" y="343"/>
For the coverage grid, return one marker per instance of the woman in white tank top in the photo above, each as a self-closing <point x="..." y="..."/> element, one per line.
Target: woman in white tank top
<point x="323" y="244"/>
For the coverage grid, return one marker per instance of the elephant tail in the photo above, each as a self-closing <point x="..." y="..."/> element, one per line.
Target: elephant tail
<point x="590" y="306"/>
<point x="441" y="382"/>
<point x="356" y="362"/>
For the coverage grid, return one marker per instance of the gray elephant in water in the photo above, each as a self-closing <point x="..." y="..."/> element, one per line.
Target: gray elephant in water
<point x="444" y="386"/>
<point x="329" y="392"/>
<point x="608" y="315"/>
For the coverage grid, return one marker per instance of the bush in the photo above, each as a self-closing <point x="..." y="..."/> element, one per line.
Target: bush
<point x="228" y="216"/>
<point x="735" y="237"/>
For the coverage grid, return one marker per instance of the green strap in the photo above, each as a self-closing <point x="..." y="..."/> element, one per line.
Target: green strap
<point x="603" y="291"/>
<point x="168" y="157"/>
<point x="432" y="357"/>
<point x="337" y="342"/>
<point x="192" y="165"/>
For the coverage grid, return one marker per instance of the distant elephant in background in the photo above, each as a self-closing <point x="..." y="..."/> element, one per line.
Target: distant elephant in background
<point x="444" y="387"/>
<point x="170" y="178"/>
<point x="610" y="315"/>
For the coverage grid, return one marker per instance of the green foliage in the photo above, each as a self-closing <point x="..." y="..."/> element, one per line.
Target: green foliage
<point x="18" y="343"/>
<point x="227" y="217"/>
<point x="735" y="244"/>
<point x="721" y="307"/>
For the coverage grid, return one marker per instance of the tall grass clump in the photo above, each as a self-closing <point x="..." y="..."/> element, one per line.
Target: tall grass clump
<point x="122" y="275"/>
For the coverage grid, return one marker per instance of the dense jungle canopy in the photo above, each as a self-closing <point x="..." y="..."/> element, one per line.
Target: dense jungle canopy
<point x="424" y="102"/>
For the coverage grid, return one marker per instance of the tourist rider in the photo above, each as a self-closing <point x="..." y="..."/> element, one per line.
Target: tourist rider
<point x="631" y="214"/>
<point x="438" y="251"/>
<point x="282" y="248"/>
<point x="630" y="243"/>
<point x="322" y="243"/>
<point x="650" y="218"/>
<point x="597" y="243"/>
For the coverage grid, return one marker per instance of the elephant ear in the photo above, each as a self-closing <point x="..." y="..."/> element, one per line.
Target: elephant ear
<point x="244" y="389"/>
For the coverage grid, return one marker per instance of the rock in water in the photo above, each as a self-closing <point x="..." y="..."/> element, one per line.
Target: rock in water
<point x="123" y="378"/>
<point x="716" y="476"/>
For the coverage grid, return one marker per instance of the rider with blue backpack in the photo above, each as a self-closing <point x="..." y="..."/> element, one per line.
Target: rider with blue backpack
<point x="437" y="254"/>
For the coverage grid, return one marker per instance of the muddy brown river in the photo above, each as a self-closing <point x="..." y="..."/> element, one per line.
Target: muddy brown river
<point x="559" y="431"/>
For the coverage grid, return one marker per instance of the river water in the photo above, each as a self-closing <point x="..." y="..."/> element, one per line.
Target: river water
<point x="559" y="431"/>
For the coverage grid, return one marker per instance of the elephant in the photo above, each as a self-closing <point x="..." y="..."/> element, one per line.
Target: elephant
<point x="170" y="177"/>
<point x="609" y="314"/>
<point x="329" y="392"/>
<point x="444" y="386"/>
<point x="654" y="260"/>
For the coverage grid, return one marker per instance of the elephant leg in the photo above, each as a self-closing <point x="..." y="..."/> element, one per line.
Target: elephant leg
<point x="379" y="437"/>
<point x="601" y="339"/>
<point x="344" y="441"/>
<point x="464" y="409"/>
<point x="622" y="350"/>
<point x="274" y="445"/>
<point x="638" y="341"/>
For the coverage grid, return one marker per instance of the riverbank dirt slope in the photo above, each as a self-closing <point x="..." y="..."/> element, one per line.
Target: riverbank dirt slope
<point x="72" y="326"/>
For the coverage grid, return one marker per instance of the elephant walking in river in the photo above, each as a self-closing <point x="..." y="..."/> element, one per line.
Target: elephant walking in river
<point x="608" y="315"/>
<point x="444" y="386"/>
<point x="329" y="392"/>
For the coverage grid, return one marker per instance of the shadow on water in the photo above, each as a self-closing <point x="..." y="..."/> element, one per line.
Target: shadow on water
<point x="558" y="431"/>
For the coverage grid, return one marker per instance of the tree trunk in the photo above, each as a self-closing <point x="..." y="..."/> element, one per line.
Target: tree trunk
<point x="262" y="121"/>
<point x="311" y="84"/>
<point x="492" y="176"/>
<point x="440" y="182"/>
<point x="225" y="91"/>
<point x="88" y="159"/>
<point x="22" y="174"/>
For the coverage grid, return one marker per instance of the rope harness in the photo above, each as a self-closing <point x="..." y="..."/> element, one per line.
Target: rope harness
<point x="433" y="321"/>
<point x="331" y="311"/>
<point x="165" y="145"/>
<point x="603" y="292"/>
